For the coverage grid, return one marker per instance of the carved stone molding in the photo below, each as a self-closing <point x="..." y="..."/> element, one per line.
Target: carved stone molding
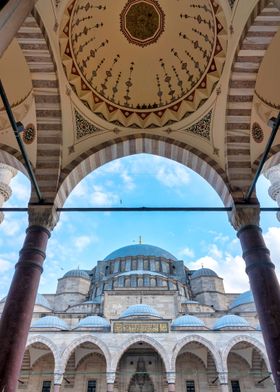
<point x="243" y="215"/>
<point x="5" y="191"/>
<point x="45" y="216"/>
<point x="273" y="175"/>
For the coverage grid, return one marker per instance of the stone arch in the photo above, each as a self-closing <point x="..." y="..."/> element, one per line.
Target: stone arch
<point x="240" y="97"/>
<point x="11" y="157"/>
<point x="40" y="61"/>
<point x="47" y="342"/>
<point x="88" y="356"/>
<point x="83" y="339"/>
<point x="160" y="146"/>
<point x="199" y="339"/>
<point x="145" y="339"/>
<point x="244" y="338"/>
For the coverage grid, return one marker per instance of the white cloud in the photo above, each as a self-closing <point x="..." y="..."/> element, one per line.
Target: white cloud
<point x="10" y="227"/>
<point x="5" y="265"/>
<point x="215" y="252"/>
<point x="20" y="188"/>
<point x="128" y="181"/>
<point x="80" y="190"/>
<point x="186" y="252"/>
<point x="102" y="198"/>
<point x="82" y="242"/>
<point x="173" y="175"/>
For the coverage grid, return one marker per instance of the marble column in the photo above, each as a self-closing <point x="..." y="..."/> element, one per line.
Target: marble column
<point x="110" y="378"/>
<point x="171" y="380"/>
<point x="263" y="282"/>
<point x="58" y="379"/>
<point x="6" y="174"/>
<point x="223" y="380"/>
<point x="273" y="175"/>
<point x="224" y="388"/>
<point x="17" y="314"/>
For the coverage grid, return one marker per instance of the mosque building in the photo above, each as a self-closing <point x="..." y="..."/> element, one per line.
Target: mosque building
<point x="142" y="321"/>
<point x="86" y="82"/>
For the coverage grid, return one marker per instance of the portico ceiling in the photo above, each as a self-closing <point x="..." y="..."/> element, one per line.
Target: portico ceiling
<point x="98" y="76"/>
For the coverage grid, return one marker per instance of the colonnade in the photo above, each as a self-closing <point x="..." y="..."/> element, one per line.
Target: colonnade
<point x="17" y="313"/>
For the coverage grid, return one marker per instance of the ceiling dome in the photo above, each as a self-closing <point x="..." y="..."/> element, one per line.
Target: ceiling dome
<point x="93" y="322"/>
<point x="140" y="310"/>
<point x="187" y="321"/>
<point x="231" y="321"/>
<point x="50" y="322"/>
<point x="242" y="299"/>
<point x="107" y="49"/>
<point x="204" y="272"/>
<point x="77" y="273"/>
<point x="140" y="250"/>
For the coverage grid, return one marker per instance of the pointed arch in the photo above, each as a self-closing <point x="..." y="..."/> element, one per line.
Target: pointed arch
<point x="254" y="41"/>
<point x="47" y="342"/>
<point x="40" y="60"/>
<point x="83" y="339"/>
<point x="142" y="143"/>
<point x="244" y="338"/>
<point x="145" y="339"/>
<point x="204" y="342"/>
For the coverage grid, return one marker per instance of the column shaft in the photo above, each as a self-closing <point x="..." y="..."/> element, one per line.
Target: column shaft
<point x="266" y="292"/>
<point x="56" y="388"/>
<point x="110" y="387"/>
<point x="17" y="313"/>
<point x="171" y="388"/>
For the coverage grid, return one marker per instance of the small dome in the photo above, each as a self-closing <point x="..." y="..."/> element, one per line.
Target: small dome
<point x="187" y="321"/>
<point x="77" y="273"/>
<point x="140" y="310"/>
<point x="204" y="272"/>
<point x="93" y="322"/>
<point x="50" y="322"/>
<point x="242" y="299"/>
<point x="231" y="321"/>
<point x="140" y="250"/>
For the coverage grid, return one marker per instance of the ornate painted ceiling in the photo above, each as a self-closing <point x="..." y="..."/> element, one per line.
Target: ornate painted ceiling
<point x="143" y="63"/>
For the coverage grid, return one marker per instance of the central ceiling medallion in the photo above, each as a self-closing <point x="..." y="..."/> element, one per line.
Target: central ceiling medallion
<point x="142" y="21"/>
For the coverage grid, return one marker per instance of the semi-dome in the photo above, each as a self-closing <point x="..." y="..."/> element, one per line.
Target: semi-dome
<point x="77" y="273"/>
<point x="187" y="321"/>
<point x="231" y="321"/>
<point x="242" y="299"/>
<point x="204" y="272"/>
<point x="140" y="310"/>
<point x="140" y="250"/>
<point x="50" y="322"/>
<point x="94" y="322"/>
<point x="40" y="300"/>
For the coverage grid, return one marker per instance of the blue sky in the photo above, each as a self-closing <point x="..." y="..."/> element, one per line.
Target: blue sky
<point x="80" y="239"/>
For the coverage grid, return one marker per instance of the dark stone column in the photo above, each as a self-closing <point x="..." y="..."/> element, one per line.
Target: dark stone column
<point x="266" y="291"/>
<point x="17" y="313"/>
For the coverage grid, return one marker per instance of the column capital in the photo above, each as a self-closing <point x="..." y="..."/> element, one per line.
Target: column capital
<point x="110" y="377"/>
<point x="5" y="191"/>
<point x="272" y="173"/>
<point x="171" y="377"/>
<point x="11" y="170"/>
<point x="58" y="378"/>
<point x="223" y="378"/>
<point x="43" y="215"/>
<point x="244" y="215"/>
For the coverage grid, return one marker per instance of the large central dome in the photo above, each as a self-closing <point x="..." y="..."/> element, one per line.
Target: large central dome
<point x="143" y="62"/>
<point x="140" y="250"/>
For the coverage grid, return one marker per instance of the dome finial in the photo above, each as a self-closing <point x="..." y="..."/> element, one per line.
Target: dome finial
<point x="140" y="239"/>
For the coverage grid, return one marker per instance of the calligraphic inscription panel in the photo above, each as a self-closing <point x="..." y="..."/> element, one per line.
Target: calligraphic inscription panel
<point x="120" y="327"/>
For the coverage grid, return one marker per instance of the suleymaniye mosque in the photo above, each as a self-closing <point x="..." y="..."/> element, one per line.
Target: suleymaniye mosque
<point x="87" y="82"/>
<point x="142" y="321"/>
